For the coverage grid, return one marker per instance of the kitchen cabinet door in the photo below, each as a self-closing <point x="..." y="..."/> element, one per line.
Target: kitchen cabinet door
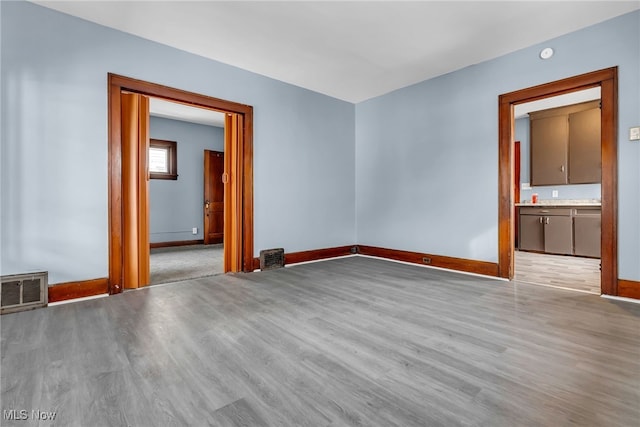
<point x="549" y="150"/>
<point x="585" y="161"/>
<point x="558" y="235"/>
<point x="531" y="233"/>
<point x="587" y="230"/>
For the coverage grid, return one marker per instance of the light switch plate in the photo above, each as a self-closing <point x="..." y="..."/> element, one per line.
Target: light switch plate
<point x="194" y="230"/>
<point x="554" y="193"/>
<point x="525" y="186"/>
<point x="634" y="133"/>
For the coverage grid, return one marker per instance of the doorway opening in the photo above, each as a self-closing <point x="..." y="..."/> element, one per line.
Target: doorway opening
<point x="186" y="195"/>
<point x="557" y="163"/>
<point x="129" y="174"/>
<point x="606" y="80"/>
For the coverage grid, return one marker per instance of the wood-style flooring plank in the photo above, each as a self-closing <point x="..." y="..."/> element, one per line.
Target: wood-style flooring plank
<point x="571" y="272"/>
<point x="346" y="342"/>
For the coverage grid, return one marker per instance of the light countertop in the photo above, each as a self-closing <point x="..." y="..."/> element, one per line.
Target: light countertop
<point x="559" y="202"/>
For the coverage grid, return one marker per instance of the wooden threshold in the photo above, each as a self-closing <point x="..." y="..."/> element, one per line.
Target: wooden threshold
<point x="80" y="289"/>
<point x="155" y="245"/>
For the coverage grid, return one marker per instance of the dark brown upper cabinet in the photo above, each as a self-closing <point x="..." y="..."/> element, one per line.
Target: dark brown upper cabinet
<point x="585" y="164"/>
<point x="565" y="145"/>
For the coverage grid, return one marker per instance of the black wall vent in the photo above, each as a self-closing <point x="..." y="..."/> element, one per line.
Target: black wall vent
<point x="271" y="259"/>
<point x="20" y="292"/>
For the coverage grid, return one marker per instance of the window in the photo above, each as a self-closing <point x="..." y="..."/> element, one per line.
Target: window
<point x="163" y="159"/>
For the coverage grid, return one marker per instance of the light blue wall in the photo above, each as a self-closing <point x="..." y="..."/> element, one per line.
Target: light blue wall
<point x="427" y="155"/>
<point x="54" y="143"/>
<point x="175" y="207"/>
<point x="426" y="170"/>
<point x="565" y="192"/>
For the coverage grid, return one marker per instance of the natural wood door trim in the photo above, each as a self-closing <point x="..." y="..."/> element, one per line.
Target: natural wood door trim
<point x="607" y="80"/>
<point x="626" y="288"/>
<point x="213" y="208"/>
<point x="247" y="191"/>
<point x="116" y="85"/>
<point x="135" y="189"/>
<point x="233" y="184"/>
<point x="516" y="183"/>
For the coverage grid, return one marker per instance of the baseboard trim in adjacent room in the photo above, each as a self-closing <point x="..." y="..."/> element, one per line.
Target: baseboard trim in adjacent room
<point x="483" y="268"/>
<point x="155" y="245"/>
<point x="80" y="289"/>
<point x="628" y="288"/>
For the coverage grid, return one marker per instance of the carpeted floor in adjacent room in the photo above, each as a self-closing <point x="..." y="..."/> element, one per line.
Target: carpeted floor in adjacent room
<point x="178" y="263"/>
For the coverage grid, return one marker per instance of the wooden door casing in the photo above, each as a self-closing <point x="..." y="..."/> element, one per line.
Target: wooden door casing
<point x="516" y="186"/>
<point x="213" y="197"/>
<point x="135" y="195"/>
<point x="607" y="80"/>
<point x="233" y="131"/>
<point x="240" y="146"/>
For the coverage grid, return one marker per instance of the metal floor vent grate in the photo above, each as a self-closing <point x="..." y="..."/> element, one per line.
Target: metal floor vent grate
<point x="271" y="259"/>
<point x="20" y="292"/>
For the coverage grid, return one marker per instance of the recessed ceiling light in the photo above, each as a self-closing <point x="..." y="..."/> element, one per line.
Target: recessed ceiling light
<point x="546" y="53"/>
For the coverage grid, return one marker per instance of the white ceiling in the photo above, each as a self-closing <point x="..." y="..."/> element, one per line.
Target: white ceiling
<point x="522" y="110"/>
<point x="172" y="110"/>
<point x="349" y="50"/>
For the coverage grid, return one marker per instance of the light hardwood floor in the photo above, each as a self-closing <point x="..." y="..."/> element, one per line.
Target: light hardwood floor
<point x="577" y="273"/>
<point x="351" y="341"/>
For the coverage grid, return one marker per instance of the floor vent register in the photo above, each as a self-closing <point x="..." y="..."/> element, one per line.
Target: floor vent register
<point x="271" y="259"/>
<point x="19" y="292"/>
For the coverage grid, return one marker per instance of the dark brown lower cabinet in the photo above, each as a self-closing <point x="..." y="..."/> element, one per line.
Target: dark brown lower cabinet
<point x="546" y="230"/>
<point x="586" y="231"/>
<point x="558" y="235"/>
<point x="531" y="233"/>
<point x="560" y="230"/>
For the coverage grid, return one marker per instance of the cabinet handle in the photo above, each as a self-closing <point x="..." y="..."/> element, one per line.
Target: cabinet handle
<point x="547" y="220"/>
<point x="562" y="168"/>
<point x="540" y="220"/>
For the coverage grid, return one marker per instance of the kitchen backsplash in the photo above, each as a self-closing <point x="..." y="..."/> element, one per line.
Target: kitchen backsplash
<point x="565" y="192"/>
